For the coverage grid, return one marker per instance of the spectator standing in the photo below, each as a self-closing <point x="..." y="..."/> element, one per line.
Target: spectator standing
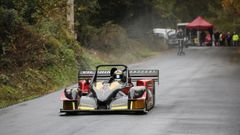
<point x="216" y="37"/>
<point x="202" y="38"/>
<point x="208" y="39"/>
<point x="222" y="39"/>
<point x="229" y="38"/>
<point x="235" y="39"/>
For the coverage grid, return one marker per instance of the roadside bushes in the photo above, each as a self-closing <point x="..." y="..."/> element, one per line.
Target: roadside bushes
<point x="9" y="25"/>
<point x="35" y="59"/>
<point x="108" y="38"/>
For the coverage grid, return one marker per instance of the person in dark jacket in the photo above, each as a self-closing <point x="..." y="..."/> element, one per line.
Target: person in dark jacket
<point x="180" y="36"/>
<point x="229" y="38"/>
<point x="216" y="37"/>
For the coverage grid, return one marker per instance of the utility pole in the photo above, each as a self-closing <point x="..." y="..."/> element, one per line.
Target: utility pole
<point x="70" y="16"/>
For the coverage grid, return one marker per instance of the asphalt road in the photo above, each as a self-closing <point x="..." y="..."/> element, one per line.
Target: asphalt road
<point x="198" y="95"/>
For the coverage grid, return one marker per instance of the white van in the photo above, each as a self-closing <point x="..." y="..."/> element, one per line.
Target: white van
<point x="169" y="35"/>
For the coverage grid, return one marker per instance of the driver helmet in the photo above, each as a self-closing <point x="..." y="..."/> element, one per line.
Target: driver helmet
<point x="118" y="75"/>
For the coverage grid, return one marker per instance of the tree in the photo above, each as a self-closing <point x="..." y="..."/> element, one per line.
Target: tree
<point x="231" y="6"/>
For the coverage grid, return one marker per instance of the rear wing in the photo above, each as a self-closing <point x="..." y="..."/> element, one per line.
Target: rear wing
<point x="146" y="74"/>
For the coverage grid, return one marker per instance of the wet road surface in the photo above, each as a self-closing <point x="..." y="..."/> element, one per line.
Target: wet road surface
<point x="198" y="95"/>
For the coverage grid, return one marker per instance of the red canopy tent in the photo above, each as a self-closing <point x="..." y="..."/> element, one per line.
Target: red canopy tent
<point x="200" y="24"/>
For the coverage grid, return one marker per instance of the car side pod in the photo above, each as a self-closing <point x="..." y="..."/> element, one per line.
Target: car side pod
<point x="68" y="104"/>
<point x="136" y="104"/>
<point x="137" y="98"/>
